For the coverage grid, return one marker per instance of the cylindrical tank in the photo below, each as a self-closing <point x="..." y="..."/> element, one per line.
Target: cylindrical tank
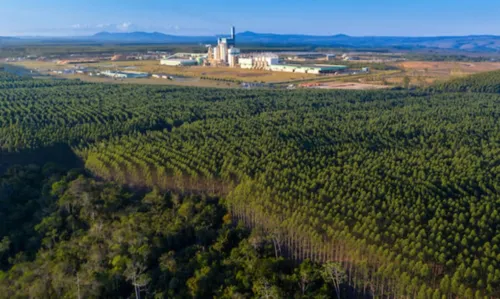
<point x="210" y="53"/>
<point x="233" y="54"/>
<point x="233" y="60"/>
<point x="223" y="52"/>
<point x="216" y="53"/>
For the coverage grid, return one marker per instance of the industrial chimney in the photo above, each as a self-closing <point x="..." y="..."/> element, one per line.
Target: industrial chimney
<point x="233" y="32"/>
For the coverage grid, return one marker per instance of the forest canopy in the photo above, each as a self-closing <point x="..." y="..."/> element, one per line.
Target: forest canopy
<point x="390" y="193"/>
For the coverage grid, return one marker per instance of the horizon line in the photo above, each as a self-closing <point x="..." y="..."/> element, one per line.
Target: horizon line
<point x="247" y="31"/>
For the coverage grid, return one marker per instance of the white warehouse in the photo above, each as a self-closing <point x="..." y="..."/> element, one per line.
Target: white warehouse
<point x="124" y="74"/>
<point x="262" y="61"/>
<point x="178" y="62"/>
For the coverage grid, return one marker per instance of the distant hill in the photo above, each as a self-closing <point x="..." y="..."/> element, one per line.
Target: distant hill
<point x="488" y="43"/>
<point x="467" y="43"/>
<point x="472" y="43"/>
<point x="8" y="38"/>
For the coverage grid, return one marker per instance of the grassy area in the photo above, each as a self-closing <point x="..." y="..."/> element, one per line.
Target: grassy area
<point x="228" y="73"/>
<point x="203" y="76"/>
<point x="153" y="81"/>
<point x="153" y="66"/>
<point x="375" y="77"/>
<point x="39" y="65"/>
<point x="422" y="73"/>
<point x="43" y="68"/>
<point x="419" y="73"/>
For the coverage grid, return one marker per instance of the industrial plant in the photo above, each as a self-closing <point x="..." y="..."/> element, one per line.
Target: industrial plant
<point x="225" y="53"/>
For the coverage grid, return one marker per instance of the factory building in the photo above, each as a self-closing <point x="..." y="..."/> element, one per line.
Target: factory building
<point x="311" y="56"/>
<point x="178" y="62"/>
<point x="307" y="56"/>
<point x="124" y="74"/>
<point x="183" y="59"/>
<point x="330" y="57"/>
<point x="225" y="53"/>
<point x="216" y="55"/>
<point x="258" y="61"/>
<point x="307" y="69"/>
<point x="246" y="63"/>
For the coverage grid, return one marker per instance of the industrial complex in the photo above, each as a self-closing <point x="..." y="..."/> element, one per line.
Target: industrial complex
<point x="225" y="53"/>
<point x="221" y="64"/>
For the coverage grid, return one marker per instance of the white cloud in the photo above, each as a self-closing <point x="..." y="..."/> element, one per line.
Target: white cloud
<point x="102" y="25"/>
<point x="121" y="27"/>
<point x="124" y="26"/>
<point x="86" y="29"/>
<point x="80" y="26"/>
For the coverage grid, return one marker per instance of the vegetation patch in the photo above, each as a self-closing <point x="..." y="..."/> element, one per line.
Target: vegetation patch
<point x="399" y="189"/>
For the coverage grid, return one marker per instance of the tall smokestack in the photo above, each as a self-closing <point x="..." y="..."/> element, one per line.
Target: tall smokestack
<point x="233" y="32"/>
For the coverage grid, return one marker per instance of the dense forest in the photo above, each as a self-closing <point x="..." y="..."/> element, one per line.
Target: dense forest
<point x="91" y="239"/>
<point x="191" y="192"/>
<point x="488" y="82"/>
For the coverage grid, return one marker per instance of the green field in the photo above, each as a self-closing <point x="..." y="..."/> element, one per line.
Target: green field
<point x="397" y="190"/>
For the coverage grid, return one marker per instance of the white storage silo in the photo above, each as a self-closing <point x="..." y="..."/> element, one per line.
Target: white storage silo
<point x="223" y="52"/>
<point x="216" y="53"/>
<point x="233" y="55"/>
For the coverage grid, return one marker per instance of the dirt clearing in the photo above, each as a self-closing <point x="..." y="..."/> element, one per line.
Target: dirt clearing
<point x="350" y="85"/>
<point x="449" y="67"/>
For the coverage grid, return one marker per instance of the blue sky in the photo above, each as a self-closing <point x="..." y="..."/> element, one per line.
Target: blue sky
<point x="201" y="17"/>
